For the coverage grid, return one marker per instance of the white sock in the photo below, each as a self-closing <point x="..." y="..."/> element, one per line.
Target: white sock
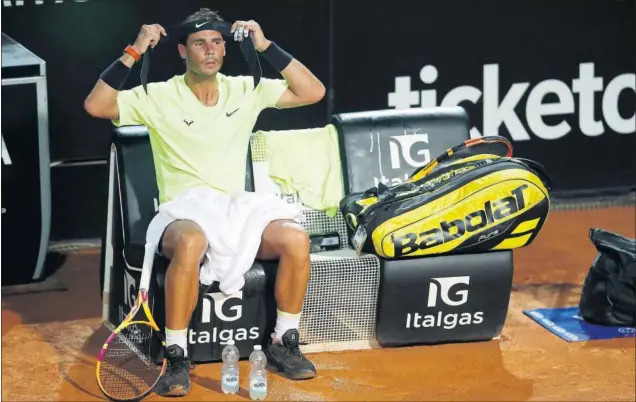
<point x="284" y="322"/>
<point x="177" y="337"/>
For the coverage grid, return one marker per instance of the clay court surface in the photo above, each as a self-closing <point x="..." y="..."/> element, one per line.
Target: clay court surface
<point x="49" y="341"/>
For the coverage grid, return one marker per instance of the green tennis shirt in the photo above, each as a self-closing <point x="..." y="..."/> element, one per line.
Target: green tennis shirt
<point x="193" y="144"/>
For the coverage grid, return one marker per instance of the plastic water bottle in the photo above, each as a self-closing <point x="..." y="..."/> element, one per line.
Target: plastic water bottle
<point x="229" y="370"/>
<point x="258" y="374"/>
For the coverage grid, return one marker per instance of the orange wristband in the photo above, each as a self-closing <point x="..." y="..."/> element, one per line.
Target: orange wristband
<point x="131" y="51"/>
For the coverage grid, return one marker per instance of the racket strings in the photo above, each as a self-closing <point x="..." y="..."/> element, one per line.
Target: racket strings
<point x="127" y="369"/>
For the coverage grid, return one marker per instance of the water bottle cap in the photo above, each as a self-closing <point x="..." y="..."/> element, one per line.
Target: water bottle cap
<point x="257" y="347"/>
<point x="230" y="342"/>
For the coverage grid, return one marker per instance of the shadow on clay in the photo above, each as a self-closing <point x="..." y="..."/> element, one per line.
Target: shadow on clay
<point x="551" y="295"/>
<point x="215" y="386"/>
<point x="483" y="365"/>
<point x="81" y="373"/>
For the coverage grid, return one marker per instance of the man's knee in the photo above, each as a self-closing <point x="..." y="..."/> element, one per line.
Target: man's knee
<point x="191" y="245"/>
<point x="184" y="241"/>
<point x="294" y="241"/>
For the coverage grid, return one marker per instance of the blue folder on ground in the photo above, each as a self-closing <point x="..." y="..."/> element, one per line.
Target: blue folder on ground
<point x="568" y="325"/>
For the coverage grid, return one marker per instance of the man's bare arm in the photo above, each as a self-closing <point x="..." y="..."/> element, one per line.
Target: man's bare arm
<point x="304" y="87"/>
<point x="102" y="101"/>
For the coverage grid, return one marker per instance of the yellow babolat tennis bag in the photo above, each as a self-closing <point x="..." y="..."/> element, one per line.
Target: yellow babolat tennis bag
<point x="474" y="198"/>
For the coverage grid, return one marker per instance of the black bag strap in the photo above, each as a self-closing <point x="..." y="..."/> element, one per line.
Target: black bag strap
<point x="539" y="169"/>
<point x="382" y="192"/>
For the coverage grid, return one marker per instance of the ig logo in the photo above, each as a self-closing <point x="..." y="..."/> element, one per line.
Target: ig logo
<point x="130" y="289"/>
<point x="219" y="300"/>
<point x="410" y="149"/>
<point x="445" y="284"/>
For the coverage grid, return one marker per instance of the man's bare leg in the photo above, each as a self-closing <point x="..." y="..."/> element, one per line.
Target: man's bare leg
<point x="184" y="244"/>
<point x="287" y="242"/>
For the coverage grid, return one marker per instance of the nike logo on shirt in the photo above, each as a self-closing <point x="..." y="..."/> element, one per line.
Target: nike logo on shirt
<point x="231" y="113"/>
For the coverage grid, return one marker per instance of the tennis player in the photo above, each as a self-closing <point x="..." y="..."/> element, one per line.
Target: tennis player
<point x="199" y="124"/>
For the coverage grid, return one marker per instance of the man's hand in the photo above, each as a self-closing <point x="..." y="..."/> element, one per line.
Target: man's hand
<point x="149" y="36"/>
<point x="241" y="29"/>
<point x="304" y="87"/>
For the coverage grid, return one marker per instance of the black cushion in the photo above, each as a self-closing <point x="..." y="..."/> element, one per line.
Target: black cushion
<point x="375" y="145"/>
<point x="138" y="187"/>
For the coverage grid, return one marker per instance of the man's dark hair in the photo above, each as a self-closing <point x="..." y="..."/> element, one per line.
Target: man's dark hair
<point x="204" y="14"/>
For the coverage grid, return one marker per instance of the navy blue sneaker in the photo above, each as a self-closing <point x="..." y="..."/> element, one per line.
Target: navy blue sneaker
<point x="176" y="380"/>
<point x="287" y="359"/>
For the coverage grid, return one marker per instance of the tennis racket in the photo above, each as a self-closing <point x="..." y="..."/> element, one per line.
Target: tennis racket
<point x="125" y="368"/>
<point x="492" y="145"/>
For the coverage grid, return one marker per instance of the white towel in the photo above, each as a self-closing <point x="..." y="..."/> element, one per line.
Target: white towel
<point x="233" y="226"/>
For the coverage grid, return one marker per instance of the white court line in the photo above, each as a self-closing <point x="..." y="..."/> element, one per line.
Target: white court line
<point x="350" y="322"/>
<point x="339" y="346"/>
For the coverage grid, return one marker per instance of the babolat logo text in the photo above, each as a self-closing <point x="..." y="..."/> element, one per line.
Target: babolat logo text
<point x="445" y="290"/>
<point x="501" y="110"/>
<point x="227" y="308"/>
<point x="489" y="213"/>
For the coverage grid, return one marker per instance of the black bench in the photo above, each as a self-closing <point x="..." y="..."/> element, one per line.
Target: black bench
<point x="419" y="301"/>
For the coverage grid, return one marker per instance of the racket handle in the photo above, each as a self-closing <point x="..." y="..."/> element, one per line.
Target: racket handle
<point x="146" y="269"/>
